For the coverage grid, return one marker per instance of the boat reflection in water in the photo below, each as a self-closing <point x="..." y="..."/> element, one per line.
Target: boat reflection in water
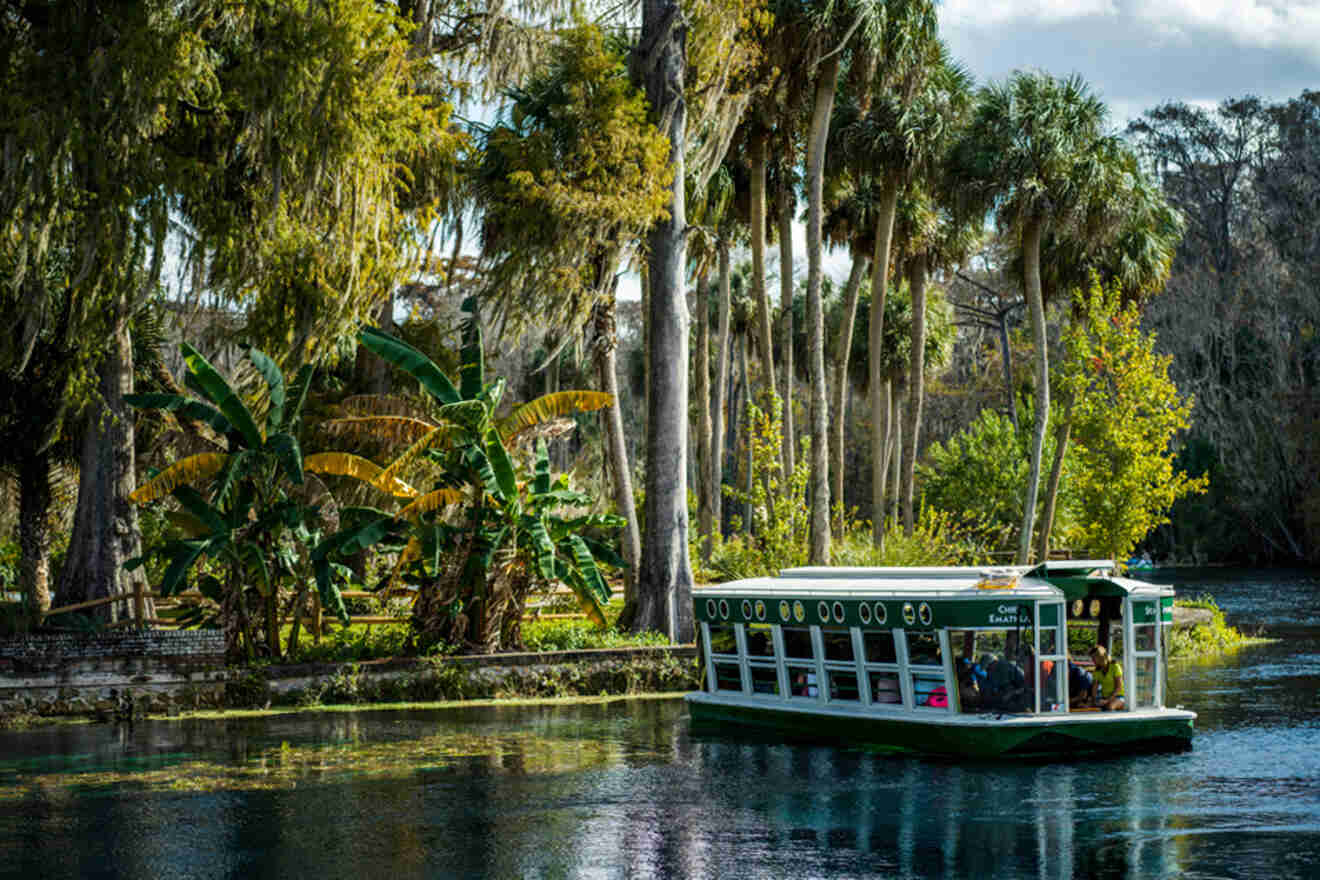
<point x="820" y="809"/>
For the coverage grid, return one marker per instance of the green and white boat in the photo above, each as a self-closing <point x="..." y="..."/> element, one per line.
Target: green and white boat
<point x="887" y="657"/>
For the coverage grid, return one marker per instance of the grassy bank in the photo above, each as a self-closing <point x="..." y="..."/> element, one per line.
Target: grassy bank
<point x="1205" y="639"/>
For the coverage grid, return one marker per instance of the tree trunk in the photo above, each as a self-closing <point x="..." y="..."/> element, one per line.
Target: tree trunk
<point x="895" y="453"/>
<point x="851" y="296"/>
<point x="720" y="403"/>
<point x="1052" y="490"/>
<point x="884" y="233"/>
<point x="664" y="594"/>
<point x="34" y="499"/>
<point x="820" y="461"/>
<point x="1031" y="234"/>
<point x="606" y="343"/>
<point x="1008" y="367"/>
<point x="705" y="482"/>
<point x="916" y="387"/>
<point x="765" y="338"/>
<point x="745" y="424"/>
<point x="105" y="527"/>
<point x="786" y="303"/>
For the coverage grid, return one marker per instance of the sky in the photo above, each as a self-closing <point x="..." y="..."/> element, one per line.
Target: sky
<point x="1139" y="53"/>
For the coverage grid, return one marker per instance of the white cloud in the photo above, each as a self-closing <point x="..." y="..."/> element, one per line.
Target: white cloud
<point x="992" y="13"/>
<point x="1267" y="24"/>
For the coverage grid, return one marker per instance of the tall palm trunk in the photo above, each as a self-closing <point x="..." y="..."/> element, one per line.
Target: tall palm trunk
<point x="895" y="447"/>
<point x="664" y="594"/>
<point x="606" y="345"/>
<point x="740" y="416"/>
<point x="720" y="403"/>
<point x="786" y="303"/>
<point x="705" y="444"/>
<point x="1031" y="235"/>
<point x="851" y="296"/>
<point x="1062" y="435"/>
<point x="765" y="338"/>
<point x="916" y="386"/>
<point x="105" y="528"/>
<point x="820" y="479"/>
<point x="34" y="500"/>
<point x="884" y="234"/>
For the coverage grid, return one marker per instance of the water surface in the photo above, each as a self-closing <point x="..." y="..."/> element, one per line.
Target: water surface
<point x="621" y="789"/>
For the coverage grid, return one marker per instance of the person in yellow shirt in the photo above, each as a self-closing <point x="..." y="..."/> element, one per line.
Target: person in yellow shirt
<point x="1108" y="680"/>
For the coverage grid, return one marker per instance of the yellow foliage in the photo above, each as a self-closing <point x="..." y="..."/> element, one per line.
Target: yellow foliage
<point x="190" y="471"/>
<point x="432" y="501"/>
<point x="345" y="464"/>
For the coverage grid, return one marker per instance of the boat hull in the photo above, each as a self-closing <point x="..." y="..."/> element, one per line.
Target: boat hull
<point x="964" y="736"/>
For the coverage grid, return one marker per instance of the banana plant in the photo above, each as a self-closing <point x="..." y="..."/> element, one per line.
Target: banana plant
<point x="481" y="540"/>
<point x="252" y="521"/>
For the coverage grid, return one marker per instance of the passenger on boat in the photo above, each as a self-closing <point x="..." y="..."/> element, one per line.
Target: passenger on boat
<point x="1081" y="685"/>
<point x="1046" y="674"/>
<point x="804" y="685"/>
<point x="1007" y="686"/>
<point x="970" y="676"/>
<point x="1108" y="680"/>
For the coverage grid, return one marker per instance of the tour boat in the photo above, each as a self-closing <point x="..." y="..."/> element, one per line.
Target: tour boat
<point x="908" y="659"/>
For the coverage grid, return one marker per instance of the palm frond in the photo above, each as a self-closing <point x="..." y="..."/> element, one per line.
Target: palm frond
<point x="188" y="471"/>
<point x="381" y="405"/>
<point x="345" y="464"/>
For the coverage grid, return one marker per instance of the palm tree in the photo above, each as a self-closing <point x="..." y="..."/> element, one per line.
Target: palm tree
<point x="1031" y="153"/>
<point x="883" y="139"/>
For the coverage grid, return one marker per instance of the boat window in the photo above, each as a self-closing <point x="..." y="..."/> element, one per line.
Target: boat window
<point x="923" y="649"/>
<point x="880" y="647"/>
<point x="1049" y="640"/>
<point x="989" y="670"/>
<point x="765" y="679"/>
<point x="723" y="640"/>
<point x="760" y="640"/>
<point x="838" y="644"/>
<point x="797" y="642"/>
<point x="728" y="677"/>
<point x="1143" y="638"/>
<point x="885" y="687"/>
<point x="843" y="686"/>
<point x="802" y="682"/>
<point x="1142" y="688"/>
<point x="928" y="690"/>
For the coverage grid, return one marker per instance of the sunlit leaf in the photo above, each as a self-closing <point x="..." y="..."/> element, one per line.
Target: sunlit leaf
<point x="217" y="390"/>
<point x="549" y="407"/>
<point x="345" y="464"/>
<point x="433" y="501"/>
<point x="192" y="470"/>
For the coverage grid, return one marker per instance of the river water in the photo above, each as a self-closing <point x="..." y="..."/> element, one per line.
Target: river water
<point x="621" y="789"/>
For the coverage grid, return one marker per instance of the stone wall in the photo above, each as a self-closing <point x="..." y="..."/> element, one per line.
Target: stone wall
<point x="52" y="650"/>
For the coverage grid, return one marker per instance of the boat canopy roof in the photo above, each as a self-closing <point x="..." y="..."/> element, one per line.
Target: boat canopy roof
<point x="1067" y="580"/>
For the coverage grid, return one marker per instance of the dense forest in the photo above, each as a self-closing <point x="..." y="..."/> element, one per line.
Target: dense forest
<point x="309" y="295"/>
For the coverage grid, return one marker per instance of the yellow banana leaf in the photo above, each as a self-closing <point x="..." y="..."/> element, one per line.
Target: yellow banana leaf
<point x="436" y="437"/>
<point x="388" y="429"/>
<point x="346" y="464"/>
<point x="551" y="406"/>
<point x="187" y="471"/>
<point x="433" y="501"/>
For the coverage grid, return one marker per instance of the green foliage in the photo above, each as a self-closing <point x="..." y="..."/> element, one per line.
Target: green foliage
<point x="780" y="514"/>
<point x="253" y="525"/>
<point x="1203" y="640"/>
<point x="938" y="538"/>
<point x="1126" y="413"/>
<point x="496" y="525"/>
<point x="578" y="635"/>
<point x="355" y="644"/>
<point x="981" y="472"/>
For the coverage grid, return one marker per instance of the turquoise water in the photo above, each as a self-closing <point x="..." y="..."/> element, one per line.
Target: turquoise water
<point x="622" y="789"/>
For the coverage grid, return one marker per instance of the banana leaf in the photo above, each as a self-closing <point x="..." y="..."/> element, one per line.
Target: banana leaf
<point x="586" y="565"/>
<point x="183" y="555"/>
<point x="411" y="361"/>
<point x="191" y="470"/>
<point x="184" y="406"/>
<point x="586" y="599"/>
<point x="274" y="381"/>
<point x="432" y="501"/>
<point x="549" y="407"/>
<point x="345" y="464"/>
<point x="472" y="374"/>
<point x="195" y="505"/>
<point x="217" y="390"/>
<point x="543" y="549"/>
<point x="295" y="399"/>
<point x="502" y="465"/>
<point x="541" y="482"/>
<point x="604" y="553"/>
<point x="289" y="455"/>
